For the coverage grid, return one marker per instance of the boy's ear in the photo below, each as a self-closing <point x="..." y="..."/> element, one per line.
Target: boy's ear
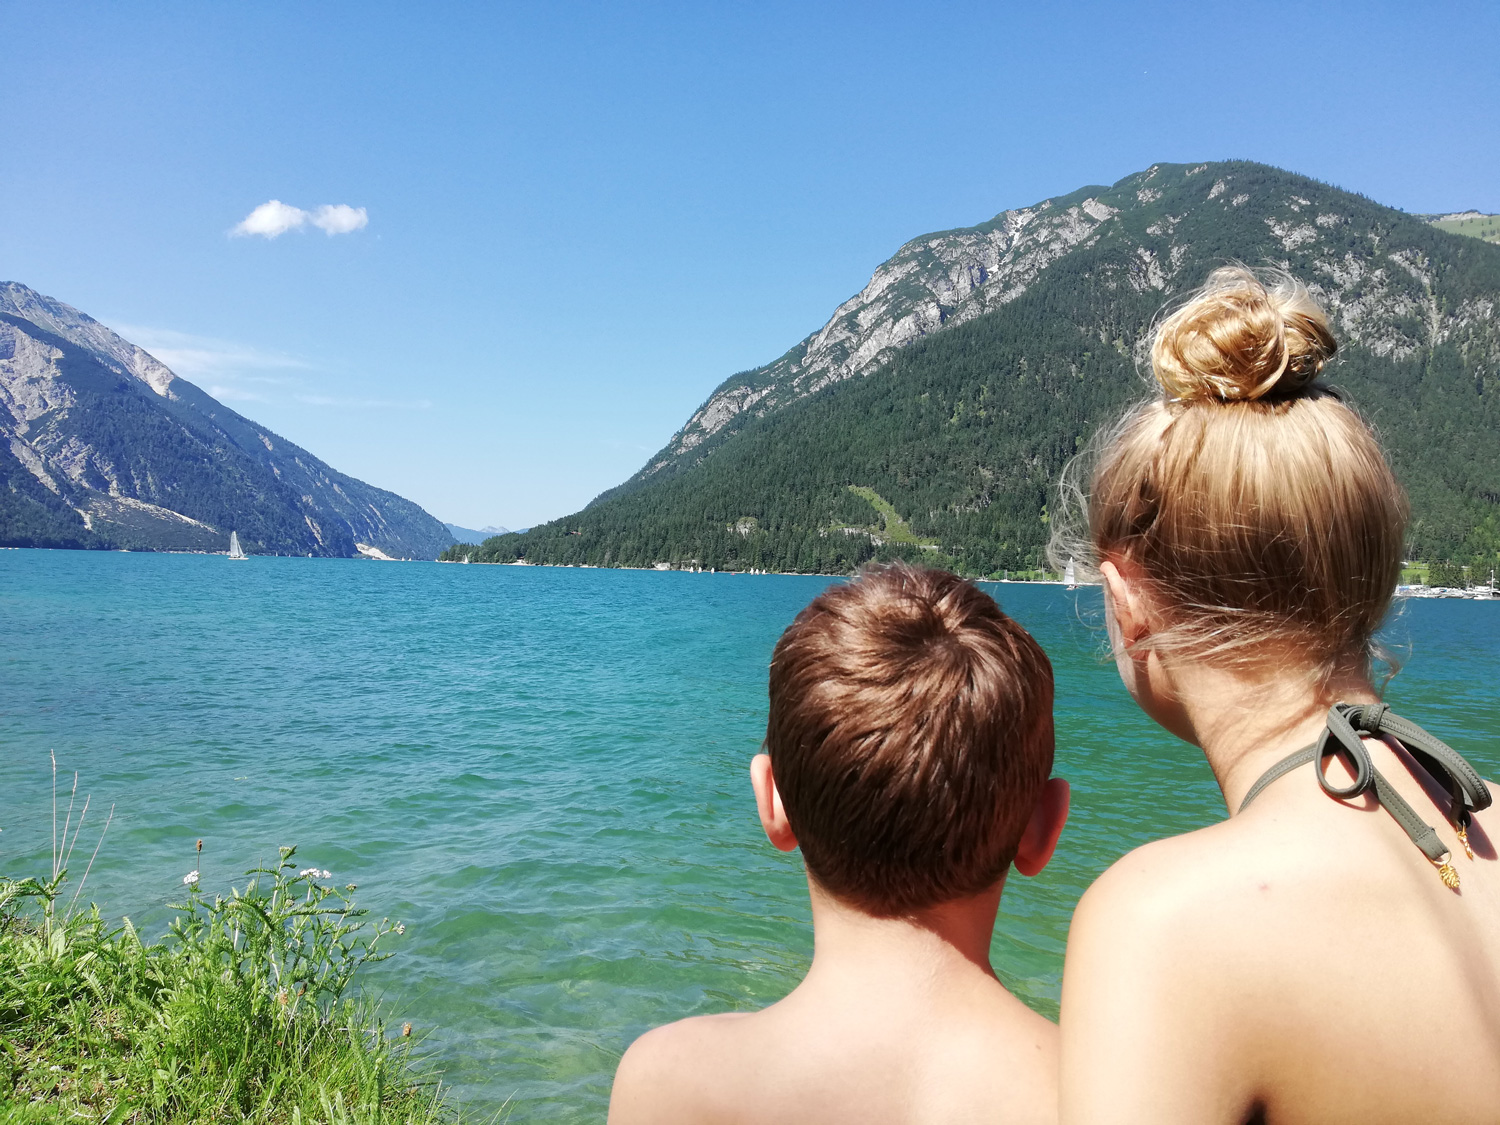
<point x="1047" y="819"/>
<point x="768" y="804"/>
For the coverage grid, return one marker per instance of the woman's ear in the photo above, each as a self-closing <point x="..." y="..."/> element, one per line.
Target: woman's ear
<point x="1122" y="603"/>
<point x="1145" y="672"/>
<point x="1039" y="840"/>
<point x="768" y="804"/>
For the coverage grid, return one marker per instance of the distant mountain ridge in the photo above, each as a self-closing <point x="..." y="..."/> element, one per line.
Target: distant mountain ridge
<point x="102" y="445"/>
<point x="930" y="416"/>
<point x="472" y="535"/>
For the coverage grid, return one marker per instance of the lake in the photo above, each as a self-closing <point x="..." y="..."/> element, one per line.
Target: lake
<point x="541" y="771"/>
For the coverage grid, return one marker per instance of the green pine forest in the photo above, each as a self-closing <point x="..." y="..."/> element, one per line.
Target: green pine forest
<point x="951" y="452"/>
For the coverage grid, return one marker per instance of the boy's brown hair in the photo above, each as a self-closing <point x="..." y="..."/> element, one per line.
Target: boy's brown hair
<point x="910" y="735"/>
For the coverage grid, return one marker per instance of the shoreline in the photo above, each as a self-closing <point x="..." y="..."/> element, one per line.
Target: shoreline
<point x="1425" y="593"/>
<point x="753" y="573"/>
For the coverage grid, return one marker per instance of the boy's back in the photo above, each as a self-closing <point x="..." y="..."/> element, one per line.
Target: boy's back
<point x="910" y="738"/>
<point x="853" y="1047"/>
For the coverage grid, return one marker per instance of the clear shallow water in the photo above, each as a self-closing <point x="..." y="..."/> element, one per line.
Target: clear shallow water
<point x="541" y="771"/>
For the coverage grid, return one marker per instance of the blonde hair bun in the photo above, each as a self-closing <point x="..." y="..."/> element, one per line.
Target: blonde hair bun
<point x="1238" y="339"/>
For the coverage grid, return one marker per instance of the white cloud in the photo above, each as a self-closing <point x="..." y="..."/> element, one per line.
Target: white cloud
<point x="234" y="394"/>
<point x="203" y="357"/>
<point x="238" y="373"/>
<point x="339" y="218"/>
<point x="366" y="403"/>
<point x="274" y="218"/>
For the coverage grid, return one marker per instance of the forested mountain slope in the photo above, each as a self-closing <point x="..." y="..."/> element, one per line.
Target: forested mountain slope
<point x="102" y="446"/>
<point x="933" y="413"/>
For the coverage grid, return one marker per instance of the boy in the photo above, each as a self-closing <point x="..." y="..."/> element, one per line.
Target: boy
<point x="909" y="747"/>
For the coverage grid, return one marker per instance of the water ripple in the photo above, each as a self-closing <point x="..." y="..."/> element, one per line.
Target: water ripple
<point x="541" y="771"/>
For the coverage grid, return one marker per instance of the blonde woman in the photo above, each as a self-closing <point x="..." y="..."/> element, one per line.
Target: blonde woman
<point x="1331" y="951"/>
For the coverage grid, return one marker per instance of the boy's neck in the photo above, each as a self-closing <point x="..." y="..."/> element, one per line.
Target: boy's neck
<point x="952" y="939"/>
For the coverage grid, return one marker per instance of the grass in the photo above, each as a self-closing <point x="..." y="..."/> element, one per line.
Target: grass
<point x="1414" y="573"/>
<point x="1486" y="227"/>
<point x="1449" y="574"/>
<point x="243" y="1012"/>
<point x="893" y="529"/>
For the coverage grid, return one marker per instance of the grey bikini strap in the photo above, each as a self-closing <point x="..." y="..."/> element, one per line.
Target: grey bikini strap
<point x="1279" y="770"/>
<point x="1345" y="723"/>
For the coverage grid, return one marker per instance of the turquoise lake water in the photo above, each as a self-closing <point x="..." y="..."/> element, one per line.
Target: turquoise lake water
<point x="541" y="771"/>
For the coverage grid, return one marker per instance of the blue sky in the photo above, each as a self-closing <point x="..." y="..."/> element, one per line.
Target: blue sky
<point x="582" y="217"/>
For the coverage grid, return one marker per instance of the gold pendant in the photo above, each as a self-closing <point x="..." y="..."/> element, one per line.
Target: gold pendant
<point x="1463" y="838"/>
<point x="1446" y="872"/>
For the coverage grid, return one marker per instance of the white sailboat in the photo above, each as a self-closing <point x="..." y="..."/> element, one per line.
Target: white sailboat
<point x="234" y="547"/>
<point x="1070" y="578"/>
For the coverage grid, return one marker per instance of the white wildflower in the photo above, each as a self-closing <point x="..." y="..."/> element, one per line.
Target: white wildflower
<point x="190" y="879"/>
<point x="327" y="874"/>
<point x="306" y="871"/>
<point x="401" y="927"/>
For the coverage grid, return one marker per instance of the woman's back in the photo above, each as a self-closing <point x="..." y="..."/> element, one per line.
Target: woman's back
<point x="1300" y="963"/>
<point x="1317" y="957"/>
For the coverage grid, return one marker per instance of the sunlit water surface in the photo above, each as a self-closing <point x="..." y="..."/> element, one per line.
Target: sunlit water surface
<point x="541" y="771"/>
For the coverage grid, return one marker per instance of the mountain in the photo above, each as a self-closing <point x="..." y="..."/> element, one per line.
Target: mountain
<point x="101" y="445"/>
<point x="469" y="535"/>
<point x="931" y="415"/>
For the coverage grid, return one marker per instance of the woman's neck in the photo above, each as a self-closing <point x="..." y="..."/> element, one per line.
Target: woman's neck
<point x="1247" y="723"/>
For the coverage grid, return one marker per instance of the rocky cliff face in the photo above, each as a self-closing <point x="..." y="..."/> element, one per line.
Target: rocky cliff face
<point x="102" y="445"/>
<point x="933" y="282"/>
<point x="947" y="396"/>
<point x="1372" y="267"/>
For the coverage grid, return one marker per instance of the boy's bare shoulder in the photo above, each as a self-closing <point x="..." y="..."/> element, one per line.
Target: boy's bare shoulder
<point x="990" y="1058"/>
<point x="680" y="1071"/>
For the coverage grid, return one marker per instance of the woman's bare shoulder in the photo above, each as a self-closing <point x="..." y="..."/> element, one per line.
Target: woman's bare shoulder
<point x="1185" y="900"/>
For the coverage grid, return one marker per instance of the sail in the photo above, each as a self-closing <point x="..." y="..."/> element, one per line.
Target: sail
<point x="1068" y="574"/>
<point x="234" y="546"/>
